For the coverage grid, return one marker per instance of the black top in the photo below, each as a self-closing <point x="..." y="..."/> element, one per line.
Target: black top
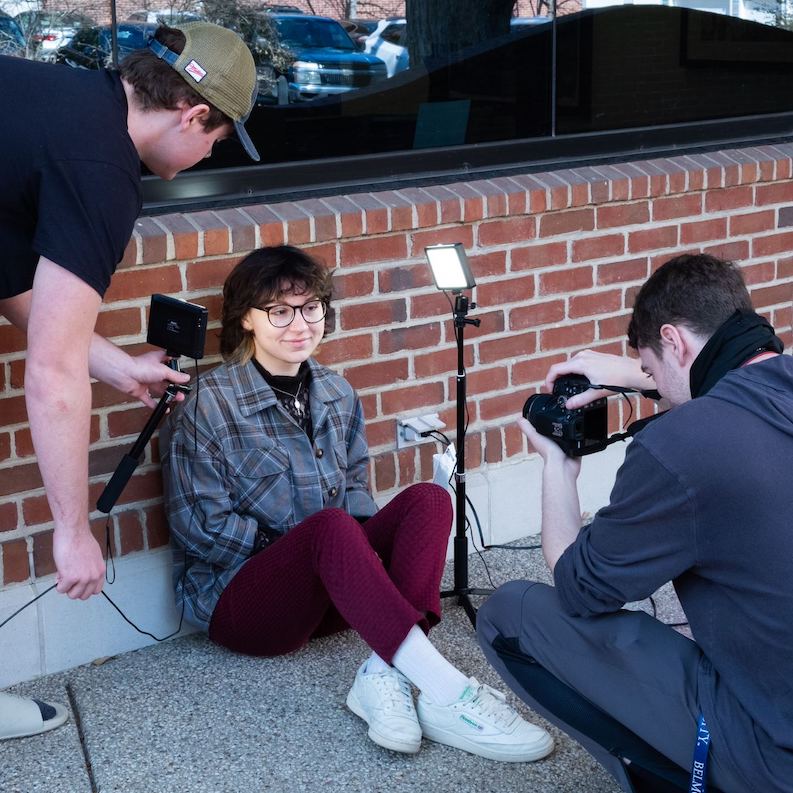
<point x="69" y="172"/>
<point x="292" y="392"/>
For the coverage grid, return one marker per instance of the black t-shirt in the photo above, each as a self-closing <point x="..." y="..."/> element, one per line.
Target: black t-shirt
<point x="69" y="172"/>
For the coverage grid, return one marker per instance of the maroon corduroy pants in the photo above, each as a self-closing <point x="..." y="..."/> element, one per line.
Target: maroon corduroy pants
<point x="330" y="573"/>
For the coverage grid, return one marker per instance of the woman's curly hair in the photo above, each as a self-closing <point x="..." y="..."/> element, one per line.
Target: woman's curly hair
<point x="262" y="277"/>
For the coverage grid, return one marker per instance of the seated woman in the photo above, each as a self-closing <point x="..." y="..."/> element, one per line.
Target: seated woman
<point x="266" y="476"/>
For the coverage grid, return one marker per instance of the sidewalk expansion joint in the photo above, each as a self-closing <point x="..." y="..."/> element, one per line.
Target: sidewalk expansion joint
<point x="83" y="746"/>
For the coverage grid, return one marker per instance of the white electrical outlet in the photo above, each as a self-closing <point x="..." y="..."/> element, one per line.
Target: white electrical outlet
<point x="409" y="429"/>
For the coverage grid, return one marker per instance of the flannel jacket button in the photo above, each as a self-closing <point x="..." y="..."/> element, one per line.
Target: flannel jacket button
<point x="319" y="454"/>
<point x="332" y="492"/>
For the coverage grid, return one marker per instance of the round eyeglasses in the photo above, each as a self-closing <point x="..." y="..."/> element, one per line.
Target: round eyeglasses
<point x="282" y="314"/>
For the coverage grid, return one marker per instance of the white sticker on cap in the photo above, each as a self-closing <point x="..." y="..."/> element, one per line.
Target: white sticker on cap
<point x="195" y="71"/>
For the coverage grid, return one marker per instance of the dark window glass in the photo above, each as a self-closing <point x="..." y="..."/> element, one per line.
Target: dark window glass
<point x="364" y="99"/>
<point x="618" y="67"/>
<point x="496" y="91"/>
<point x="647" y="66"/>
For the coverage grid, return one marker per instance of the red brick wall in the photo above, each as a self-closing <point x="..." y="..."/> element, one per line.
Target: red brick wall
<point x="557" y="257"/>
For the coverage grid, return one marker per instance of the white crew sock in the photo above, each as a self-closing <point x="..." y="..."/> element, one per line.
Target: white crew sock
<point x="376" y="664"/>
<point x="428" y="670"/>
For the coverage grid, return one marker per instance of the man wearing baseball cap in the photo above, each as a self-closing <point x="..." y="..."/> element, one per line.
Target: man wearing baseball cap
<point x="73" y="142"/>
<point x="218" y="66"/>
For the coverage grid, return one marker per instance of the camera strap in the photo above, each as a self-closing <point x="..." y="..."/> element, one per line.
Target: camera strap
<point x="634" y="426"/>
<point x="649" y="393"/>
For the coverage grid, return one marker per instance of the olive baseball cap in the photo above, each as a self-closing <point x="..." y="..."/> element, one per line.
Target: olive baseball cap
<point x="216" y="64"/>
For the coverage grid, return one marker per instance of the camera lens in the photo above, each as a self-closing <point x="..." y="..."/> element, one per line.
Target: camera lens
<point x="536" y="403"/>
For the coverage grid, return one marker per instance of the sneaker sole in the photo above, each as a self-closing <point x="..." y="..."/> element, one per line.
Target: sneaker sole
<point x="386" y="741"/>
<point x="504" y="755"/>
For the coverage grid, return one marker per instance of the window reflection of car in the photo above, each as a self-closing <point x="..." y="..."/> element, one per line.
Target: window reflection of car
<point x="47" y="30"/>
<point x="12" y="40"/>
<point x="359" y="29"/>
<point x="91" y="48"/>
<point x="165" y="16"/>
<point x="283" y="9"/>
<point x="389" y="40"/>
<point x="389" y="43"/>
<point x="326" y="61"/>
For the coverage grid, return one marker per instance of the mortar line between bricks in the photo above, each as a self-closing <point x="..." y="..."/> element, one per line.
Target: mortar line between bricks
<point x="83" y="746"/>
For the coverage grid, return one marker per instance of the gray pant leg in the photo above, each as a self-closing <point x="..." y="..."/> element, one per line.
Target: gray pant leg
<point x="631" y="666"/>
<point x="501" y="615"/>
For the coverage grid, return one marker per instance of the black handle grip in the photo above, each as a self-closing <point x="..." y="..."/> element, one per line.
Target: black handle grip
<point x="117" y="483"/>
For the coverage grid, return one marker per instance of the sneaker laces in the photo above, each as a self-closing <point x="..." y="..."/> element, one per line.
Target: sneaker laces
<point x="488" y="703"/>
<point x="394" y="690"/>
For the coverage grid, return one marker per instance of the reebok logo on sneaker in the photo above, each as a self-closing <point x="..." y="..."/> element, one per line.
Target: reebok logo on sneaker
<point x="481" y="722"/>
<point x="471" y="722"/>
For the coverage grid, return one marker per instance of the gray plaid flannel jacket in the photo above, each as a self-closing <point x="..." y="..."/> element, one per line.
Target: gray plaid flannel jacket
<point x="233" y="459"/>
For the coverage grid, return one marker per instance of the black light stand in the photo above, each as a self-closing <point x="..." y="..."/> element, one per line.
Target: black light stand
<point x="461" y="589"/>
<point x="129" y="462"/>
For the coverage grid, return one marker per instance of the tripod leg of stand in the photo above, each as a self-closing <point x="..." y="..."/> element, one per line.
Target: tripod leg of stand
<point x="465" y="602"/>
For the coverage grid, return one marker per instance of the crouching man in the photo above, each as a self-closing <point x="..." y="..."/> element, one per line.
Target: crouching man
<point x="704" y="499"/>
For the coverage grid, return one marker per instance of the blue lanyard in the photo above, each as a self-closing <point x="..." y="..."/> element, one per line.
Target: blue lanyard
<point x="699" y="766"/>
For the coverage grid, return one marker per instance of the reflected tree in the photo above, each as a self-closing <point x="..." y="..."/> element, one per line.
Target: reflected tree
<point x="258" y="31"/>
<point x="351" y="9"/>
<point x="38" y="20"/>
<point x="439" y="28"/>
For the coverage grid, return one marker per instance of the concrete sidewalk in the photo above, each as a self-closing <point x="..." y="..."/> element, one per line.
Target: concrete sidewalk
<point x="188" y="716"/>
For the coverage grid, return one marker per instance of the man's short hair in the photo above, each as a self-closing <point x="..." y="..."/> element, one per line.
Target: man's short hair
<point x="695" y="290"/>
<point x="158" y="87"/>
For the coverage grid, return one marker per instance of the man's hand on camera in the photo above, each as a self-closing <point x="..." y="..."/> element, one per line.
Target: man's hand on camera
<point x="79" y="562"/>
<point x="599" y="367"/>
<point x="149" y="375"/>
<point x="548" y="449"/>
<point x="144" y="377"/>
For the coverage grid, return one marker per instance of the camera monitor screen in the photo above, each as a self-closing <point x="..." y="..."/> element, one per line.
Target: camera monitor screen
<point x="177" y="326"/>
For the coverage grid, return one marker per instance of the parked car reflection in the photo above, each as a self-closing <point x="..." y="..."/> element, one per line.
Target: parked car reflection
<point x="388" y="41"/>
<point x="326" y="61"/>
<point x="165" y="16"/>
<point x="91" y="47"/>
<point x="46" y="31"/>
<point x="12" y="40"/>
<point x="359" y="29"/>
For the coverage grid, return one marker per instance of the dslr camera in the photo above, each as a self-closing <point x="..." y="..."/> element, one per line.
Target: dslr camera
<point x="578" y="432"/>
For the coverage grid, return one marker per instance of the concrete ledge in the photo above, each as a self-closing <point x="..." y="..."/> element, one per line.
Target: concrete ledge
<point x="56" y="633"/>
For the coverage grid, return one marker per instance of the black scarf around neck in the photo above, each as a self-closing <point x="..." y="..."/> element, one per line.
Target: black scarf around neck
<point x="742" y="336"/>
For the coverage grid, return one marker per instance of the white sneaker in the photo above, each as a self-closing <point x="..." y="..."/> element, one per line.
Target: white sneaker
<point x="481" y="722"/>
<point x="385" y="702"/>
